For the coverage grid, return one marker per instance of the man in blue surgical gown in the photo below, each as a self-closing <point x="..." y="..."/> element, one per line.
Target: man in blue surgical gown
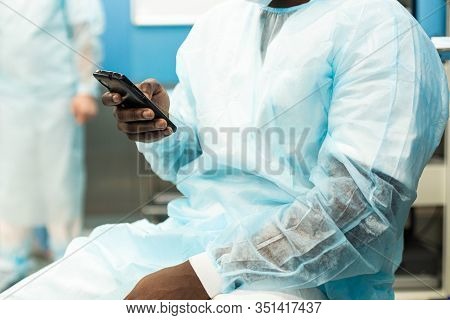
<point x="47" y="50"/>
<point x="303" y="129"/>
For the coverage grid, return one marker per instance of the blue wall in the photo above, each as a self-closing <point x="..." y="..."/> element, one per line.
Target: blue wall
<point x="143" y="52"/>
<point x="431" y="15"/>
<point x="139" y="52"/>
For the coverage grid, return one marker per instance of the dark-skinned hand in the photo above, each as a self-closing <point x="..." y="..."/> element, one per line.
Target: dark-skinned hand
<point x="139" y="124"/>
<point x="175" y="283"/>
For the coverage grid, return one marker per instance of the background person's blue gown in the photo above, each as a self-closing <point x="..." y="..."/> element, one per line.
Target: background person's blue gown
<point x="358" y="94"/>
<point x="47" y="49"/>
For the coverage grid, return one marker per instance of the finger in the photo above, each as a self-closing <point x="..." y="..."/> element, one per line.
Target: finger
<point x="142" y="126"/>
<point x="149" y="136"/>
<point x="112" y="99"/>
<point x="133" y="114"/>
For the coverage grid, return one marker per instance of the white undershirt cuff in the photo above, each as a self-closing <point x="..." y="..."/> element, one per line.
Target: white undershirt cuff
<point x="207" y="273"/>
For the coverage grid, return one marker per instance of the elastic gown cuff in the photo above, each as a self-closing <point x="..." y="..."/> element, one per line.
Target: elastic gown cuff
<point x="207" y="273"/>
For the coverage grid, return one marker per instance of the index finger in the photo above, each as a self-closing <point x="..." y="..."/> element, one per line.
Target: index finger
<point x="133" y="114"/>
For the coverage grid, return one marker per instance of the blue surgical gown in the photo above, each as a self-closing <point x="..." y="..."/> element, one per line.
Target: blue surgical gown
<point x="299" y="170"/>
<point x="47" y="54"/>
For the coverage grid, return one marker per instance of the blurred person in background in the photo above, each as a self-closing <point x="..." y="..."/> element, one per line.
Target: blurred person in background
<point x="48" y="51"/>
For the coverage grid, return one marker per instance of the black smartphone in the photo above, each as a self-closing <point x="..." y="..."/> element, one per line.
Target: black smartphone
<point x="133" y="97"/>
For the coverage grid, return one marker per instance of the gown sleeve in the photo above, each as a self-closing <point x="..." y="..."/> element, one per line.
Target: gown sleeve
<point x="388" y="110"/>
<point x="167" y="156"/>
